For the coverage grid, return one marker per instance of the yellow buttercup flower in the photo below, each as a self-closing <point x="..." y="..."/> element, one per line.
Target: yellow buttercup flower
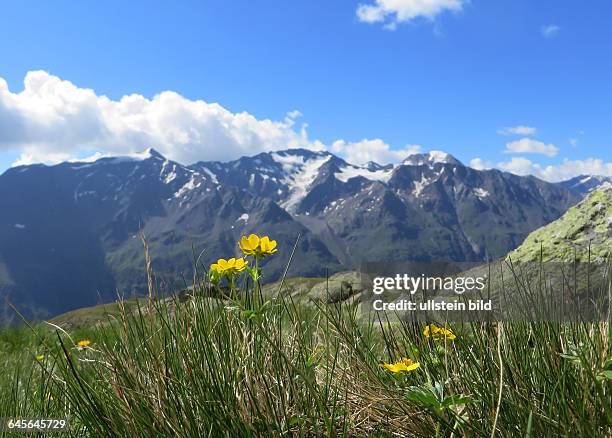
<point x="438" y="333"/>
<point x="239" y="264"/>
<point x="229" y="267"/>
<point x="216" y="268"/>
<point x="40" y="357"/>
<point x="267" y="246"/>
<point x="84" y="343"/>
<point x="403" y="365"/>
<point x="254" y="245"/>
<point x="249" y="245"/>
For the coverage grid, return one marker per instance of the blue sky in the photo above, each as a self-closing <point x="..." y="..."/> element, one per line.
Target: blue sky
<point x="367" y="82"/>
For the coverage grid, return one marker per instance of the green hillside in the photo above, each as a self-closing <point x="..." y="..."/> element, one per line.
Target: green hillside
<point x="583" y="228"/>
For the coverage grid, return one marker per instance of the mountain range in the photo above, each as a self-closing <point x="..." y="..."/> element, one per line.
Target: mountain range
<point x="70" y="233"/>
<point x="585" y="184"/>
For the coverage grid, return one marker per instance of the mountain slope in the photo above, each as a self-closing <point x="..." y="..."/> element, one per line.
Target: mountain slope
<point x="429" y="207"/>
<point x="585" y="184"/>
<point x="584" y="231"/>
<point x="69" y="234"/>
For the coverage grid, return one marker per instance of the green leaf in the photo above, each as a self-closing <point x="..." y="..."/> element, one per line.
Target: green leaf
<point x="423" y="396"/>
<point x="455" y="400"/>
<point x="250" y="314"/>
<point x="529" y="425"/>
<point x="607" y="374"/>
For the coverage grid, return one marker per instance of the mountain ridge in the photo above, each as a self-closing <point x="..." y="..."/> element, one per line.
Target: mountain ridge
<point x="87" y="216"/>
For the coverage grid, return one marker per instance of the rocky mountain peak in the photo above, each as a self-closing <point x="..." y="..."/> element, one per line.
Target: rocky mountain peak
<point x="374" y="166"/>
<point x="584" y="184"/>
<point x="430" y="158"/>
<point x="151" y="153"/>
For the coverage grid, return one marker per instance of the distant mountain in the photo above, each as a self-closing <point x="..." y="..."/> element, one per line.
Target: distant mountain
<point x="69" y="233"/>
<point x="585" y="184"/>
<point x="431" y="158"/>
<point x="430" y="207"/>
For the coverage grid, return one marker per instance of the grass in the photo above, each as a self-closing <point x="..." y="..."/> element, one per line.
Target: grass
<point x="255" y="366"/>
<point x="90" y="316"/>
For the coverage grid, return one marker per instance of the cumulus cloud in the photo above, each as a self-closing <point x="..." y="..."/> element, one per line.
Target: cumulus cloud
<point x="521" y="166"/>
<point x="550" y="30"/>
<point x="531" y="146"/>
<point x="517" y="130"/>
<point x="372" y="150"/>
<point x="53" y="120"/>
<point x="392" y="12"/>
<point x="566" y="170"/>
<point x="480" y="164"/>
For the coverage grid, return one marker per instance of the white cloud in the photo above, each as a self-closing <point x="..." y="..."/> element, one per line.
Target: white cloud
<point x="53" y="120"/>
<point x="372" y="150"/>
<point x="517" y="130"/>
<point x="521" y="166"/>
<point x="550" y="30"/>
<point x="480" y="164"/>
<point x="566" y="170"/>
<point x="531" y="146"/>
<point x="399" y="11"/>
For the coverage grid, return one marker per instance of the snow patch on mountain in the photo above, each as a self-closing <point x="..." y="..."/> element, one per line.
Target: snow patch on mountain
<point x="98" y="158"/>
<point x="211" y="175"/>
<point x="440" y="157"/>
<point x="349" y="171"/>
<point x="480" y="192"/>
<point x="420" y="185"/>
<point x="171" y="176"/>
<point x="300" y="173"/>
<point x="431" y="158"/>
<point x="187" y="187"/>
<point x="585" y="184"/>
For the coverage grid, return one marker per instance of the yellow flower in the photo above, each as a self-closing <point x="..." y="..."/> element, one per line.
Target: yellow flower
<point x="402" y="366"/>
<point x="239" y="264"/>
<point x="229" y="267"/>
<point x="267" y="246"/>
<point x="249" y="245"/>
<point x="438" y="333"/>
<point x="257" y="246"/>
<point x="40" y="357"/>
<point x="84" y="343"/>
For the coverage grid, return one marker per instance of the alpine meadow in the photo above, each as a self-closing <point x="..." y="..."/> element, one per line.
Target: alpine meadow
<point x="366" y="218"/>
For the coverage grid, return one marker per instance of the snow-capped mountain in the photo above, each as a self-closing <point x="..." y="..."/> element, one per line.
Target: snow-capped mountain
<point x="585" y="184"/>
<point x="431" y="158"/>
<point x="70" y="232"/>
<point x="286" y="177"/>
<point x="430" y="206"/>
